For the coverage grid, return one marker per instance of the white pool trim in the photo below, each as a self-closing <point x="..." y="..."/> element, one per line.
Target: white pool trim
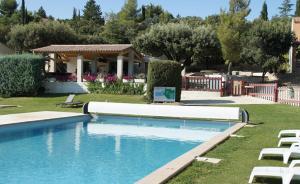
<point x="172" y="168"/>
<point x="35" y="116"/>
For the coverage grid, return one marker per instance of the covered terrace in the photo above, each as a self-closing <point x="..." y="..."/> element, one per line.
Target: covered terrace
<point x="99" y="60"/>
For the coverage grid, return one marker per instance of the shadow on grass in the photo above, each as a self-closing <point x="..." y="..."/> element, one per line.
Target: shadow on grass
<point x="206" y="102"/>
<point x="268" y="181"/>
<point x="252" y="123"/>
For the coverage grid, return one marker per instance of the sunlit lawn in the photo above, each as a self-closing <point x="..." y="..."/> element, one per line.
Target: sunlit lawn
<point x="48" y="103"/>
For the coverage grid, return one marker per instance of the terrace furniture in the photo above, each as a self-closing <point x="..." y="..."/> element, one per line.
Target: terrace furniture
<point x="287" y="174"/>
<point x="288" y="140"/>
<point x="286" y="153"/>
<point x="293" y="133"/>
<point x="70" y="103"/>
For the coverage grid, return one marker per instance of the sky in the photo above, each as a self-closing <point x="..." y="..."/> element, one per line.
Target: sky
<point x="64" y="8"/>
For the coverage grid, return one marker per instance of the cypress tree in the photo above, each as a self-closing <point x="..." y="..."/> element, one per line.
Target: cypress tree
<point x="264" y="12"/>
<point x="23" y="12"/>
<point x="74" y="17"/>
<point x="297" y="12"/>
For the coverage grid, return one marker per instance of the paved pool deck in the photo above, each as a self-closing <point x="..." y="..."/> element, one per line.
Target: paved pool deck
<point x="197" y="98"/>
<point x="35" y="116"/>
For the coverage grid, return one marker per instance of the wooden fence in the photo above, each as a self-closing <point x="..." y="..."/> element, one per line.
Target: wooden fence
<point x="267" y="91"/>
<point x="289" y="96"/>
<point x="202" y="84"/>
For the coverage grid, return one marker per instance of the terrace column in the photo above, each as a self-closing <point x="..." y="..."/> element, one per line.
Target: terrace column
<point x="79" y="68"/>
<point x="52" y="63"/>
<point x="94" y="67"/>
<point x="131" y="64"/>
<point x="120" y="63"/>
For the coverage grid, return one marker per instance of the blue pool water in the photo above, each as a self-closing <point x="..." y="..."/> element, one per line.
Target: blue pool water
<point x="106" y="149"/>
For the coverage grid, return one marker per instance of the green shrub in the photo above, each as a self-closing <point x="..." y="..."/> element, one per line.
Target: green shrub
<point x="117" y="87"/>
<point x="164" y="74"/>
<point x="21" y="75"/>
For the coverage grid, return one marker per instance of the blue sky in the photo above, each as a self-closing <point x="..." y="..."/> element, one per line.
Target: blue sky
<point x="202" y="8"/>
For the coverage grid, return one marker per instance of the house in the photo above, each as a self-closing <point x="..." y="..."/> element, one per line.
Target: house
<point x="4" y="50"/>
<point x="69" y="66"/>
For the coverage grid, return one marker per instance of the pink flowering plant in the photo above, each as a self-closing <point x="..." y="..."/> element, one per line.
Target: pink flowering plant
<point x="110" y="78"/>
<point x="89" y="77"/>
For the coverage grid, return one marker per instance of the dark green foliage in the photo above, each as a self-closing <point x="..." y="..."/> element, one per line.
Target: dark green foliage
<point x="230" y="31"/>
<point x="164" y="74"/>
<point x="181" y="42"/>
<point x="297" y="11"/>
<point x="264" y="12"/>
<point x="34" y="35"/>
<point x="92" y="12"/>
<point x="118" y="88"/>
<point x="21" y="75"/>
<point x="266" y="43"/>
<point x="23" y="12"/>
<point x="41" y="13"/>
<point x="285" y="8"/>
<point x="74" y="16"/>
<point x="8" y="7"/>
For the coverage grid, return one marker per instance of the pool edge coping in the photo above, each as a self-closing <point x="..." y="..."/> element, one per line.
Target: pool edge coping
<point x="35" y="117"/>
<point x="172" y="168"/>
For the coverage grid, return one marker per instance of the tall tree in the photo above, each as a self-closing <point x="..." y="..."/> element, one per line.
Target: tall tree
<point x="264" y="12"/>
<point x="41" y="12"/>
<point x="266" y="44"/>
<point x="297" y="11"/>
<point x="129" y="11"/>
<point x="23" y="12"/>
<point x="74" y="16"/>
<point x="285" y="8"/>
<point x="236" y="6"/>
<point x="180" y="42"/>
<point x="8" y="7"/>
<point x="230" y="31"/>
<point x="92" y="12"/>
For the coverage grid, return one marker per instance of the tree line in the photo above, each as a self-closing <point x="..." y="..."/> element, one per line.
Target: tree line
<point x="227" y="37"/>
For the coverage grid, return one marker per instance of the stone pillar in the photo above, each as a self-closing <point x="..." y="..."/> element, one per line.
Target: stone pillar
<point x="131" y="64"/>
<point x="94" y="67"/>
<point x="120" y="63"/>
<point x="52" y="62"/>
<point x="79" y="68"/>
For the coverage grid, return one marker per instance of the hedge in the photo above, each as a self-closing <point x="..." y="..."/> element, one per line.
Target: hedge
<point x="117" y="87"/>
<point x="21" y="75"/>
<point x="163" y="73"/>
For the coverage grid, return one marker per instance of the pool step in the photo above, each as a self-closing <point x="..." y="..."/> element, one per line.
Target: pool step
<point x="208" y="160"/>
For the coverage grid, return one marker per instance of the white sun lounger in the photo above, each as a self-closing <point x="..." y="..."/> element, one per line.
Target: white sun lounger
<point x="293" y="133"/>
<point x="286" y="153"/>
<point x="287" y="174"/>
<point x="288" y="140"/>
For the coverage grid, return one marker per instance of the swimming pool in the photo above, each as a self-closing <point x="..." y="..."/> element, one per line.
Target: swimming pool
<point x="105" y="149"/>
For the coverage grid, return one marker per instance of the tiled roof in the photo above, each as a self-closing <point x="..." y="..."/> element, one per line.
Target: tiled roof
<point x="99" y="48"/>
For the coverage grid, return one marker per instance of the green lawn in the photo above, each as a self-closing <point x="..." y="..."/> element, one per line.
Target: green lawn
<point x="239" y="154"/>
<point x="46" y="103"/>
